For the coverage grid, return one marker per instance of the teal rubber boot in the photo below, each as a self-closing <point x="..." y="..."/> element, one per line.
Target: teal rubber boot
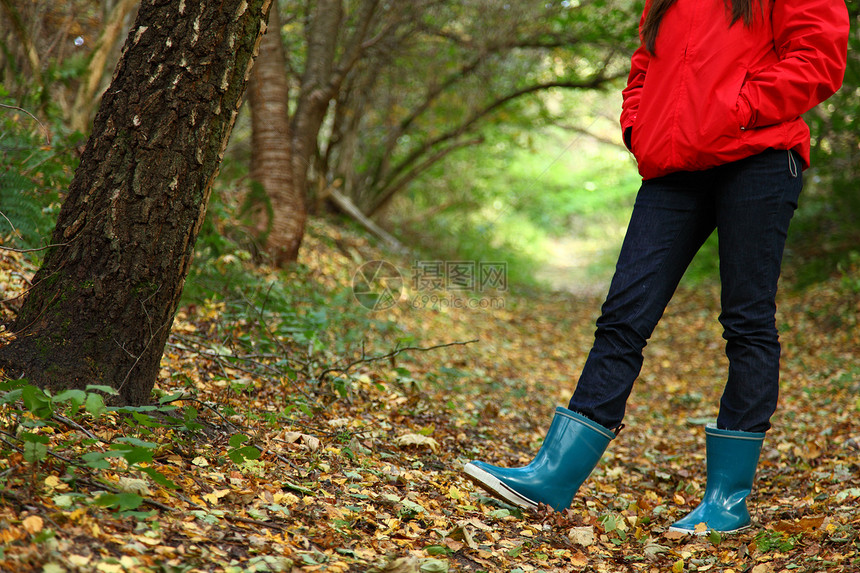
<point x="571" y="449"/>
<point x="732" y="458"/>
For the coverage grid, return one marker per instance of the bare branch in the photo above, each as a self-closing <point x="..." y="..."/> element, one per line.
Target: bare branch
<point x="22" y="110"/>
<point x="414" y="171"/>
<point x="392" y="185"/>
<point x="366" y="359"/>
<point x="33" y="250"/>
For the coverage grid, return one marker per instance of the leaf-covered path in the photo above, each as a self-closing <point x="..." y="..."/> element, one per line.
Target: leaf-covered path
<point x="360" y="459"/>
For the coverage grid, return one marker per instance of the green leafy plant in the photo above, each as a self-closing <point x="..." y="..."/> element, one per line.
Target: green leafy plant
<point x="239" y="453"/>
<point x="614" y="525"/>
<point x="37" y="409"/>
<point x="770" y="540"/>
<point x="34" y="168"/>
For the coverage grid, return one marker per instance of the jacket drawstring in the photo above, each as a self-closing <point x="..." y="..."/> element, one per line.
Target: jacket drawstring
<point x="792" y="164"/>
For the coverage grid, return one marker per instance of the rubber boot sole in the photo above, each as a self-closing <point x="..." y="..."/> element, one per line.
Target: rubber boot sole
<point x="496" y="486"/>
<point x="708" y="531"/>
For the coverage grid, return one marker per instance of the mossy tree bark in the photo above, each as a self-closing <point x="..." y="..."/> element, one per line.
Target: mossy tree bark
<point x="103" y="301"/>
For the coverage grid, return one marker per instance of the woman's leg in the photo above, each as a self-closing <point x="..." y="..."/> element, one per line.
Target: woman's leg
<point x="755" y="200"/>
<point x="672" y="217"/>
<point x="755" y="203"/>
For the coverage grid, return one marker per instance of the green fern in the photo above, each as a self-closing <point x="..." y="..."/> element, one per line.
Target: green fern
<point x="37" y="161"/>
<point x="25" y="220"/>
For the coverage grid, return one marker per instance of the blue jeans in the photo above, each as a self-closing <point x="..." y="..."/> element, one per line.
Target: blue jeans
<point x="750" y="203"/>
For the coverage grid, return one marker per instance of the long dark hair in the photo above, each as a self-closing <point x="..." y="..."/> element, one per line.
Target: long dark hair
<point x="739" y="9"/>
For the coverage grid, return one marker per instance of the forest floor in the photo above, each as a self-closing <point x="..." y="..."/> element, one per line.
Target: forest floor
<point x="338" y="446"/>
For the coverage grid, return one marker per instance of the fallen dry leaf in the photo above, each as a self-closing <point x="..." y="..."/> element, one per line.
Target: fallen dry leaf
<point x="378" y="492"/>
<point x="417" y="440"/>
<point x="33" y="524"/>
<point x="802" y="525"/>
<point x="582" y="536"/>
<point x="675" y="535"/>
<point x="311" y="443"/>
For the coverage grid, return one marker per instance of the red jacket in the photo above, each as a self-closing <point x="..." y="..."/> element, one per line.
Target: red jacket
<point x="712" y="94"/>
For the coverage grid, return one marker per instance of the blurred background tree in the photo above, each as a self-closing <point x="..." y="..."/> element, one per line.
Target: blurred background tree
<point x="383" y="92"/>
<point x="827" y="232"/>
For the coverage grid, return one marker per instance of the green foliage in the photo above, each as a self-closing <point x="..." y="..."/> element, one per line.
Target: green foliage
<point x="525" y="192"/>
<point x="239" y="453"/>
<point x="715" y="537"/>
<point x="849" y="271"/>
<point x="438" y="73"/>
<point x="24" y="217"/>
<point x="769" y="540"/>
<point x="35" y="447"/>
<point x="34" y="168"/>
<point x="119" y="501"/>
<point x="825" y="230"/>
<point x="300" y="325"/>
<point x="34" y="413"/>
<point x="257" y="199"/>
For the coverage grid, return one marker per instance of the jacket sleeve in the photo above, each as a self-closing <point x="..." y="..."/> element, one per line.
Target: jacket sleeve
<point x="811" y="40"/>
<point x="632" y="93"/>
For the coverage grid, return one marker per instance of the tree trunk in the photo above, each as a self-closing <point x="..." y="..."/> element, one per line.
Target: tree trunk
<point x="316" y="90"/>
<point x="282" y="226"/>
<point x="103" y="302"/>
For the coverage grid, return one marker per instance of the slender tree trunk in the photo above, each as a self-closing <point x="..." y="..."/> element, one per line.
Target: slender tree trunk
<point x="87" y="95"/>
<point x="27" y="43"/>
<point x="317" y="89"/>
<point x="283" y="226"/>
<point x="103" y="302"/>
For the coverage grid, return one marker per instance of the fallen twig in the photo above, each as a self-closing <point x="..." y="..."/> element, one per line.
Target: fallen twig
<point x="365" y="359"/>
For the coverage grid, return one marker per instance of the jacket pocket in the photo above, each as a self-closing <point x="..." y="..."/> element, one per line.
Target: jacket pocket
<point x="628" y="138"/>
<point x="743" y="111"/>
<point x="718" y="110"/>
